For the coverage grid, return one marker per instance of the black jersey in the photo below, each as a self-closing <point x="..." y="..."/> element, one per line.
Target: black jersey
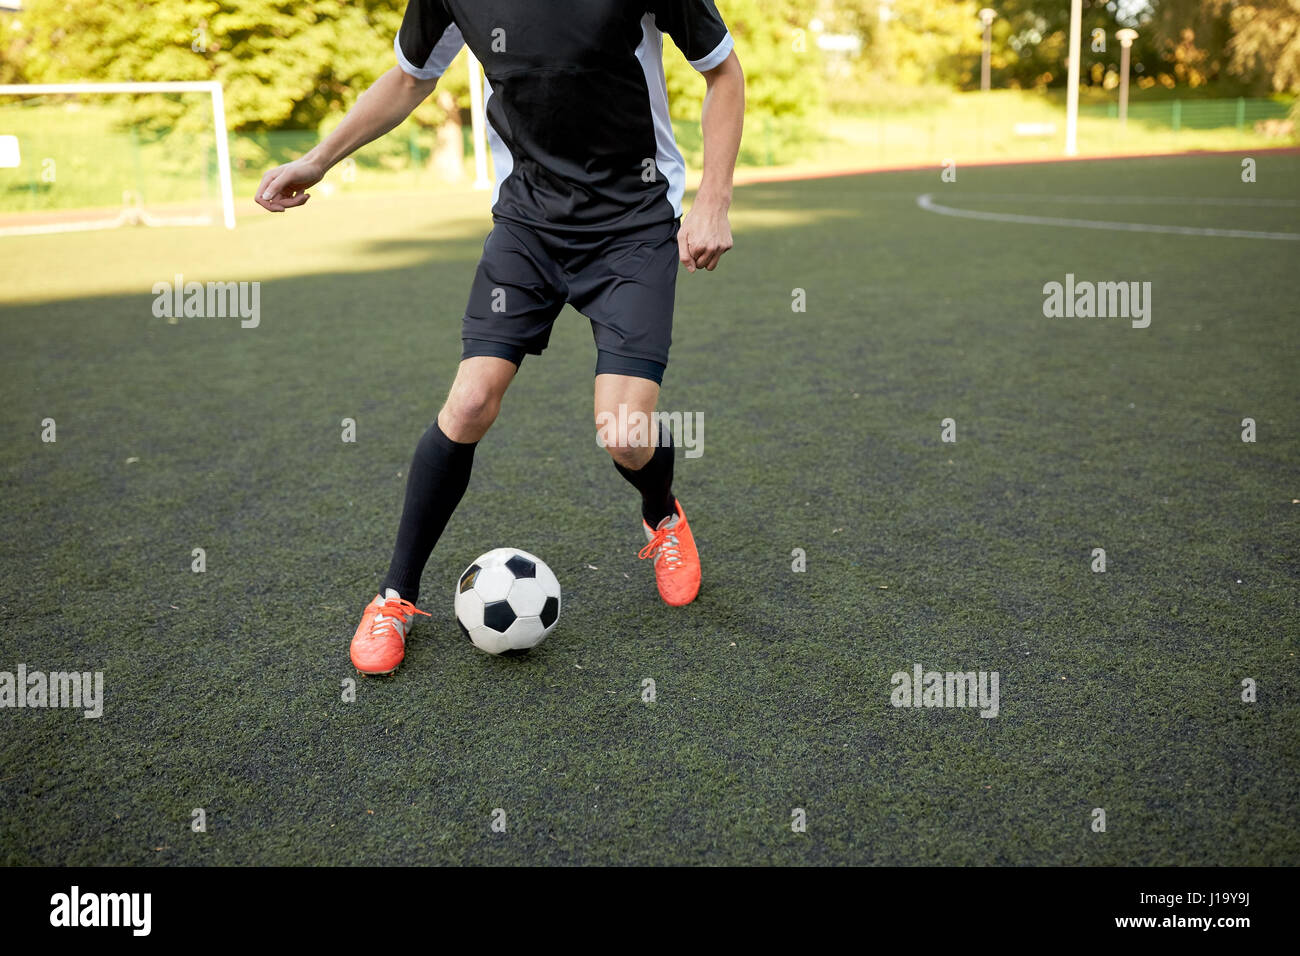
<point x="576" y="103"/>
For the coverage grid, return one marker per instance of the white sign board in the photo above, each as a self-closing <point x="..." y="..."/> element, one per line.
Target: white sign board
<point x="8" y="152"/>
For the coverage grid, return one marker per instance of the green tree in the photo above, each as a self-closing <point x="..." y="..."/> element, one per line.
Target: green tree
<point x="932" y="42"/>
<point x="784" y="81"/>
<point x="1265" y="46"/>
<point x="282" y="65"/>
<point x="1185" y="42"/>
<point x="777" y="50"/>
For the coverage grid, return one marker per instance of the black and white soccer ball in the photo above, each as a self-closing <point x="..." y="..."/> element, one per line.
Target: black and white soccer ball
<point x="507" y="600"/>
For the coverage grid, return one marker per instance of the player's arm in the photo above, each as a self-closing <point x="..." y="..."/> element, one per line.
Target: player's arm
<point x="377" y="111"/>
<point x="706" y="232"/>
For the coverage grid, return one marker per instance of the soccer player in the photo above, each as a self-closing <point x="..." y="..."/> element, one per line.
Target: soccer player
<point x="586" y="210"/>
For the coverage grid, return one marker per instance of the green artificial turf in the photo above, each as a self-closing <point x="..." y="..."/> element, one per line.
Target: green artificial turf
<point x="1119" y="691"/>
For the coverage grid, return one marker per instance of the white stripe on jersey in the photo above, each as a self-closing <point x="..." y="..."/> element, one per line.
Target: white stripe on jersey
<point x="503" y="162"/>
<point x="668" y="158"/>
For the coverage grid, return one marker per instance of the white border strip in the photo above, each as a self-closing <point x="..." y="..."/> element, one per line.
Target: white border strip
<point x="173" y="86"/>
<point x="128" y="217"/>
<point x="926" y="202"/>
<point x="717" y="55"/>
<point x="439" y="59"/>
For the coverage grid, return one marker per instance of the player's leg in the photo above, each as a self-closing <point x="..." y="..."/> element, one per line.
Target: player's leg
<point x="441" y="467"/>
<point x="627" y="289"/>
<point x="514" y="299"/>
<point x="436" y="482"/>
<point x="642" y="451"/>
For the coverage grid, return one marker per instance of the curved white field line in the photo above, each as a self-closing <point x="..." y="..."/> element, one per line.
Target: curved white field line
<point x="926" y="202"/>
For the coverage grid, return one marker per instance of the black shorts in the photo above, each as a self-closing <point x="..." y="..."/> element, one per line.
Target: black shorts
<point x="624" y="284"/>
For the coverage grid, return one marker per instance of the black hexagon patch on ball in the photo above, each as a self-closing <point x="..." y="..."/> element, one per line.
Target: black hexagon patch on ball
<point x="521" y="567"/>
<point x="550" y="611"/>
<point x="499" y="615"/>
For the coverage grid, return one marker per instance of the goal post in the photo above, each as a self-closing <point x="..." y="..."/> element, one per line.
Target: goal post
<point x="210" y="87"/>
<point x="1072" y="79"/>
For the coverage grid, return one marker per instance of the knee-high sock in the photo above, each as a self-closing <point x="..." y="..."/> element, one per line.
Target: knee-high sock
<point x="654" y="480"/>
<point x="437" y="481"/>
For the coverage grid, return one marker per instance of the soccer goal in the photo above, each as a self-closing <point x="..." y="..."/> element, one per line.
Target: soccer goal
<point x="77" y="156"/>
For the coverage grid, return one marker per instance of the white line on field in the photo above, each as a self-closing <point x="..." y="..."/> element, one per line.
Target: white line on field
<point x="122" y="219"/>
<point x="926" y="202"/>
<point x="1133" y="200"/>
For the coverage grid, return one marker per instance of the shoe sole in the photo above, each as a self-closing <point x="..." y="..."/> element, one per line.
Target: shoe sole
<point x="391" y="670"/>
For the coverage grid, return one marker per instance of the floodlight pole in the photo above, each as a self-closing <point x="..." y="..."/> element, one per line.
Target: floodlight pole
<point x="1126" y="38"/>
<point x="1072" y="82"/>
<point x="987" y="16"/>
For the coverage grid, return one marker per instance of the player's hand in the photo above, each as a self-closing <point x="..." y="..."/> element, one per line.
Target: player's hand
<point x="705" y="235"/>
<point x="286" y="186"/>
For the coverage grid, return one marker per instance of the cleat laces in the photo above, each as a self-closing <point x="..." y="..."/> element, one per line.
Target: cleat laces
<point x="663" y="544"/>
<point x="390" y="612"/>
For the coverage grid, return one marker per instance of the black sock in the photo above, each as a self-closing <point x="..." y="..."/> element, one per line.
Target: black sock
<point x="438" y="479"/>
<point x="654" y="480"/>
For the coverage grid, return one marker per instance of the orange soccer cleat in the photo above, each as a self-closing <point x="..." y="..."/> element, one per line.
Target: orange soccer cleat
<point x="677" y="563"/>
<point x="379" y="644"/>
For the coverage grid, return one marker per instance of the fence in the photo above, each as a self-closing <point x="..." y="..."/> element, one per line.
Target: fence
<point x="84" y="155"/>
<point x="1176" y="115"/>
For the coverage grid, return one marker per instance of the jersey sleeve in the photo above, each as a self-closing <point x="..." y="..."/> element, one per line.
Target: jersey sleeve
<point x="697" y="28"/>
<point x="428" y="39"/>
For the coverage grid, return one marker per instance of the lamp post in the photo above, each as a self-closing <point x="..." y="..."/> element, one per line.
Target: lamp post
<point x="987" y="16"/>
<point x="1126" y="38"/>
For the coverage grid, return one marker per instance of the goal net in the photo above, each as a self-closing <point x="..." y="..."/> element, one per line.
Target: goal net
<point x="102" y="155"/>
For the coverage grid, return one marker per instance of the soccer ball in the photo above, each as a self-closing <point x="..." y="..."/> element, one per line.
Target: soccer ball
<point x="507" y="600"/>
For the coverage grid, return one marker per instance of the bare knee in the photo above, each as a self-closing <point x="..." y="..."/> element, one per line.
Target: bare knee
<point x="469" y="411"/>
<point x="625" y="418"/>
<point x="626" y="437"/>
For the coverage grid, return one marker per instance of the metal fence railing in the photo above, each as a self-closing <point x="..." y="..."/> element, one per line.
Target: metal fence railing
<point x="1241" y="113"/>
<point x="93" y="154"/>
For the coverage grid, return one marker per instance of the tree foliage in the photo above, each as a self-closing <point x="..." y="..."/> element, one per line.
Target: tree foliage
<point x="289" y="65"/>
<point x="1234" y="45"/>
<point x="282" y="65"/>
<point x="300" y="65"/>
<point x="1265" y="45"/>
